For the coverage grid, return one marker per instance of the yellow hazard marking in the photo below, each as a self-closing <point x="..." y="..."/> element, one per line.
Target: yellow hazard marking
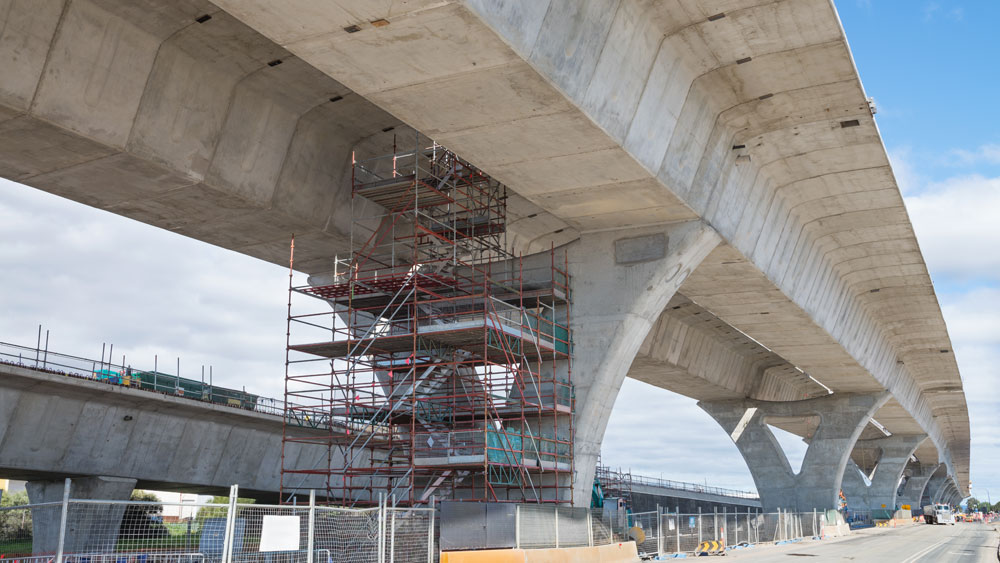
<point x="711" y="546"/>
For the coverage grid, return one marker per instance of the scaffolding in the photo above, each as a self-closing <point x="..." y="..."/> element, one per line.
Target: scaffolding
<point x="615" y="483"/>
<point x="439" y="363"/>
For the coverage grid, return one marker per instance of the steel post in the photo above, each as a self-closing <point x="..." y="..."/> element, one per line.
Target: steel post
<point x="62" y="517"/>
<point x="311" y="533"/>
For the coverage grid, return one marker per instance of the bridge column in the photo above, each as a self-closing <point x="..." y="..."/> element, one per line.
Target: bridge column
<point x="945" y="491"/>
<point x="841" y="418"/>
<point x="913" y="488"/>
<point x="89" y="528"/>
<point x="934" y="485"/>
<point x="896" y="452"/>
<point x="622" y="281"/>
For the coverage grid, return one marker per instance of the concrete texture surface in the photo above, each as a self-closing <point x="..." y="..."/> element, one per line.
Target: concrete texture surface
<point x="839" y="420"/>
<point x="53" y="426"/>
<point x="881" y="492"/>
<point x="614" y="115"/>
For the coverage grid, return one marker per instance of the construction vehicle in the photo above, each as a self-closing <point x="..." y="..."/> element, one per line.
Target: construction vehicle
<point x="939" y="514"/>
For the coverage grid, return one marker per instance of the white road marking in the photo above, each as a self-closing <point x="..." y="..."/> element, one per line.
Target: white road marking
<point x="926" y="550"/>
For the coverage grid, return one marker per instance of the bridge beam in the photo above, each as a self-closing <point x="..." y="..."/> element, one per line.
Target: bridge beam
<point x="622" y="281"/>
<point x="90" y="528"/>
<point x="881" y="493"/>
<point x="841" y="418"/>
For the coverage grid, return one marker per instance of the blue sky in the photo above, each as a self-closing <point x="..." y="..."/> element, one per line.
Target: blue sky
<point x="929" y="65"/>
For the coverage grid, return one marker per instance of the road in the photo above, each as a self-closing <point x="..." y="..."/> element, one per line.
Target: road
<point x="920" y="542"/>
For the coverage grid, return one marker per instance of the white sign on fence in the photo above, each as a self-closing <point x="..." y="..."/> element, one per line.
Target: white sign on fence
<point x="280" y="533"/>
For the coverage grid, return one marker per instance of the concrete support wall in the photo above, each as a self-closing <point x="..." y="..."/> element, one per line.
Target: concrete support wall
<point x="89" y="527"/>
<point x="622" y="280"/>
<point x="841" y="418"/>
<point x="881" y="493"/>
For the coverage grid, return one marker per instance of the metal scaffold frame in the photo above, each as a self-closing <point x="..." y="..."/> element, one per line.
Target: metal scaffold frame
<point x="439" y="365"/>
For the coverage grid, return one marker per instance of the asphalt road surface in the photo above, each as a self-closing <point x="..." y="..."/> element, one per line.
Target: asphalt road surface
<point x="964" y="542"/>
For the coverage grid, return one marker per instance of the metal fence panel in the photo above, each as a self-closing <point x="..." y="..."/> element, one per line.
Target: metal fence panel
<point x="408" y="531"/>
<point x="646" y="521"/>
<point x="349" y="536"/>
<point x="574" y="526"/>
<point x="100" y="531"/>
<point x="463" y="525"/>
<point x="271" y="534"/>
<point x="537" y="526"/>
<point x="17" y="526"/>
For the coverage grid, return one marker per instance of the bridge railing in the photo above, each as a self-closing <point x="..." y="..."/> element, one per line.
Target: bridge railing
<point x="42" y="359"/>
<point x="692" y="487"/>
<point x="107" y="531"/>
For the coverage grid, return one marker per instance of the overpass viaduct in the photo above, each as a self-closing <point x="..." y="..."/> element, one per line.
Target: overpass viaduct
<point x="714" y="171"/>
<point x="53" y="426"/>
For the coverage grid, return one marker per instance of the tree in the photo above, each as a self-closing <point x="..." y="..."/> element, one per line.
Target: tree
<point x="15" y="523"/>
<point x="143" y="520"/>
<point x="207" y="512"/>
<point x="972" y="505"/>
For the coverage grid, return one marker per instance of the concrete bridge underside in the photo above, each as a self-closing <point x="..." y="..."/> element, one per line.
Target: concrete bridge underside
<point x="739" y="130"/>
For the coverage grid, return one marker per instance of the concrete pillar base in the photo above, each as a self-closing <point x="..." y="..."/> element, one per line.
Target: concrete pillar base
<point x="89" y="528"/>
<point x="841" y="418"/>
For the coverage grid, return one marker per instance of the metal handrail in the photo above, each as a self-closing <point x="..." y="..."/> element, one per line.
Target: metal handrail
<point x="690" y="487"/>
<point x="87" y="368"/>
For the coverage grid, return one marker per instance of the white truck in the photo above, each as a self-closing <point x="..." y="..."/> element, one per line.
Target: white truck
<point x="939" y="514"/>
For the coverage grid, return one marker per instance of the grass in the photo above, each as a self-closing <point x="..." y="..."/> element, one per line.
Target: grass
<point x="15" y="547"/>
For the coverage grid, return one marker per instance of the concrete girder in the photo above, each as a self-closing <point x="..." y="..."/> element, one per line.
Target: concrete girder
<point x="884" y="481"/>
<point x="621" y="281"/>
<point x="841" y="418"/>
<point x="88" y="530"/>
<point x="692" y="352"/>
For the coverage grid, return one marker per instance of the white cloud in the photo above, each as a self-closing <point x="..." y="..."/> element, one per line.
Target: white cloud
<point x="974" y="324"/>
<point x="986" y="154"/>
<point x="956" y="224"/>
<point x="90" y="277"/>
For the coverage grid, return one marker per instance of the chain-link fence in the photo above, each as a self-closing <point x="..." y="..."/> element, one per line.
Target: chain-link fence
<point x="541" y="526"/>
<point x="685" y="533"/>
<point x="103" y="531"/>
